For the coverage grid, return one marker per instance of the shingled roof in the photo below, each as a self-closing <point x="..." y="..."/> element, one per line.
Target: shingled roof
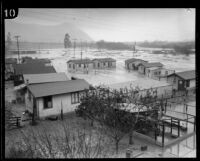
<point x="154" y="64"/>
<point x="80" y="61"/>
<point x="187" y="75"/>
<point x="55" y="88"/>
<point x="29" y="60"/>
<point x="33" y="68"/>
<point x="104" y="59"/>
<point x="10" y="61"/>
<point x="44" y="78"/>
<point x="134" y="59"/>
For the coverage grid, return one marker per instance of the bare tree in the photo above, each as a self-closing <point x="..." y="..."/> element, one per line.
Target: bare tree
<point x="117" y="111"/>
<point x="65" y="144"/>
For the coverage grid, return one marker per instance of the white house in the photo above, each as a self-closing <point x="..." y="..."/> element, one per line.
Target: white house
<point x="29" y="79"/>
<point x="104" y="63"/>
<point x="183" y="80"/>
<point x="47" y="99"/>
<point x="132" y="64"/>
<point x="142" y="67"/>
<point x="158" y="72"/>
<point x="80" y="65"/>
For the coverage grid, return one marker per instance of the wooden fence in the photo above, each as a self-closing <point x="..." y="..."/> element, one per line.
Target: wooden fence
<point x="12" y="122"/>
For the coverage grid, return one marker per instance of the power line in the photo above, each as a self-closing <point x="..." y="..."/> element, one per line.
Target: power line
<point x="17" y="37"/>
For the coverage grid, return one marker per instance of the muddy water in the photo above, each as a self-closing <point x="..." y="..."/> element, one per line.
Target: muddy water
<point x="59" y="58"/>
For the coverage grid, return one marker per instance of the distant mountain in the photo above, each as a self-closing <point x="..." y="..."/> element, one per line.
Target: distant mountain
<point x="45" y="33"/>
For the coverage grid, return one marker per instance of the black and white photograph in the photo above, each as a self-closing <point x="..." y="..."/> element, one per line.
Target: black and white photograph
<point x="100" y="83"/>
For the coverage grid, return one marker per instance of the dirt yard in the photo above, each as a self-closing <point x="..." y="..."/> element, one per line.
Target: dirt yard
<point x="76" y="124"/>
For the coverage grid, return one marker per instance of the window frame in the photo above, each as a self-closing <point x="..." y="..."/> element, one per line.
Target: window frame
<point x="75" y="98"/>
<point x="187" y="83"/>
<point x="45" y="104"/>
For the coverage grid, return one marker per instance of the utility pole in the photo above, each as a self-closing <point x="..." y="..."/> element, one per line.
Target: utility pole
<point x="17" y="37"/>
<point x="134" y="48"/>
<point x="81" y="50"/>
<point x="74" y="47"/>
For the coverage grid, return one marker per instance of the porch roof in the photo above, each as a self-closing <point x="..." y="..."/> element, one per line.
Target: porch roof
<point x="55" y="88"/>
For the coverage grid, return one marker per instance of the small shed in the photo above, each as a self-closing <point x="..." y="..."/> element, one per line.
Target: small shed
<point x="48" y="99"/>
<point x="9" y="68"/>
<point x="142" y="67"/>
<point x="183" y="80"/>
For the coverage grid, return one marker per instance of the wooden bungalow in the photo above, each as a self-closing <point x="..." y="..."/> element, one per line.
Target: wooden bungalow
<point x="132" y="64"/>
<point x="48" y="99"/>
<point x="158" y="72"/>
<point x="30" y="68"/>
<point x="104" y="63"/>
<point x="143" y="66"/>
<point x="82" y="65"/>
<point x="183" y="80"/>
<point x="30" y="79"/>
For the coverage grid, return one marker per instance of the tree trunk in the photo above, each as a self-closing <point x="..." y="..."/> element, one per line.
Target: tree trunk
<point x="92" y="123"/>
<point x="131" y="138"/>
<point x="117" y="146"/>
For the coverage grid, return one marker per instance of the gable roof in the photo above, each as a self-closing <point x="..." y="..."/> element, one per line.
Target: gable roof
<point x="134" y="59"/>
<point x="80" y="61"/>
<point x="187" y="75"/>
<point x="10" y="61"/>
<point x="33" y="68"/>
<point x="30" y="60"/>
<point x="155" y="68"/>
<point x="55" y="88"/>
<point x="104" y="59"/>
<point x="154" y="64"/>
<point x="44" y="78"/>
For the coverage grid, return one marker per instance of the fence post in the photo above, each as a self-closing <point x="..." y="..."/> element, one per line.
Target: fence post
<point x="178" y="128"/>
<point x="171" y="125"/>
<point x="128" y="153"/>
<point x="163" y="134"/>
<point x="17" y="122"/>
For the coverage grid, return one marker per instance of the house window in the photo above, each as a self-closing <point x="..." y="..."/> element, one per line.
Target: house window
<point x="69" y="65"/>
<point x="166" y="72"/>
<point x="84" y="66"/>
<point x="187" y="83"/>
<point x="104" y="64"/>
<point x="79" y="65"/>
<point x="75" y="97"/>
<point x="48" y="102"/>
<point x="98" y="65"/>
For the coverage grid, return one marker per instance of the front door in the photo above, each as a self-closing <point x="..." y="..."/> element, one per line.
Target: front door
<point x="181" y="85"/>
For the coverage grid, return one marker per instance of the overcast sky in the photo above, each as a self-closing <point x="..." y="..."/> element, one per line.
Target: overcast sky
<point x="120" y="24"/>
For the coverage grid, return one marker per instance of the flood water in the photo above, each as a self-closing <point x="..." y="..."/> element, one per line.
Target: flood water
<point x="59" y="57"/>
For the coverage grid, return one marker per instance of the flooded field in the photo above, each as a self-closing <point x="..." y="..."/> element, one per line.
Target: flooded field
<point x="59" y="57"/>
